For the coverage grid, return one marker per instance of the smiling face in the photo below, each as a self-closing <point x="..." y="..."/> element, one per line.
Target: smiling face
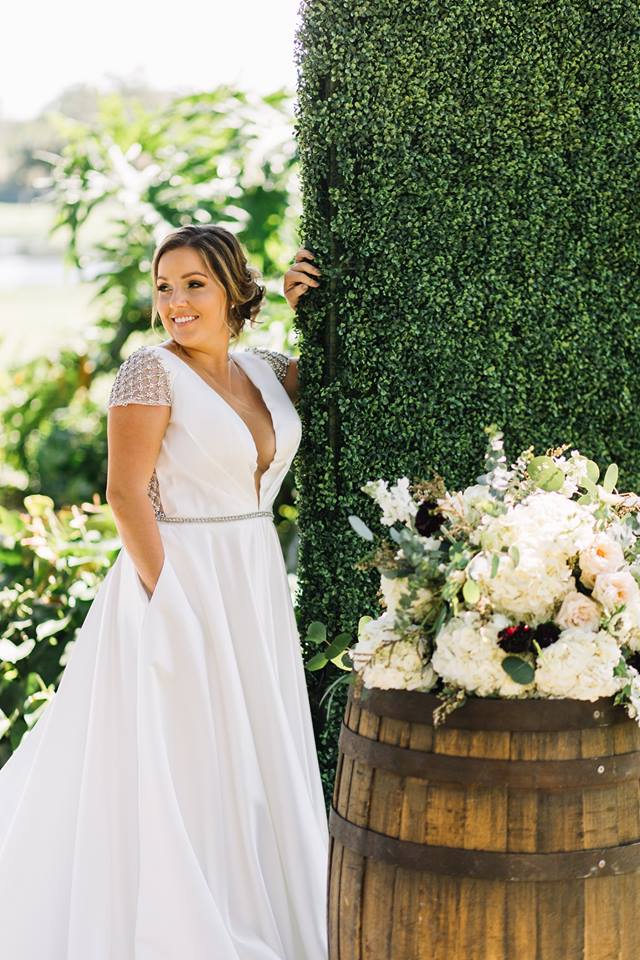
<point x="192" y="304"/>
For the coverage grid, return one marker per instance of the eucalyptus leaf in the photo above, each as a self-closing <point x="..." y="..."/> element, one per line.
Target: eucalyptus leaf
<point x="610" y="477"/>
<point x="338" y="644"/>
<point x="317" y="661"/>
<point x="316" y="632"/>
<point x="471" y="591"/>
<point x="518" y="669"/>
<point x="360" y="527"/>
<point x="538" y="466"/>
<point x="593" y="471"/>
<point x="343" y="661"/>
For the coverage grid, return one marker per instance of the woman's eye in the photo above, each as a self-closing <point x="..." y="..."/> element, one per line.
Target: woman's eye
<point x="163" y="286"/>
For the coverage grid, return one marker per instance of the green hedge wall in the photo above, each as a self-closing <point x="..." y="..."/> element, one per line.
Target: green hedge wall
<point x="471" y="188"/>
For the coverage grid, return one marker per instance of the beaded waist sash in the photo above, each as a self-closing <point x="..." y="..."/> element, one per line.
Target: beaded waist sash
<point x="232" y="516"/>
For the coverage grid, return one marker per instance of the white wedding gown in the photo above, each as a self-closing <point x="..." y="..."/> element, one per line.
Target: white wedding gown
<point x="167" y="805"/>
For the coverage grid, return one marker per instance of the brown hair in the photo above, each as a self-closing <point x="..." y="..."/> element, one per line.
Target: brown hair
<point x="226" y="260"/>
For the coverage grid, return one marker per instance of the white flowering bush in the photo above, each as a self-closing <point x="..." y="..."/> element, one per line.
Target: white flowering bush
<point x="525" y="584"/>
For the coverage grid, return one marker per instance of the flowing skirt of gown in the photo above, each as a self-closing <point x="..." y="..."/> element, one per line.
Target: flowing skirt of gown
<point x="167" y="804"/>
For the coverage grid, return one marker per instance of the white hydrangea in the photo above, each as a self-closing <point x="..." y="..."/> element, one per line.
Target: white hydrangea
<point x="543" y="521"/>
<point x="371" y="635"/>
<point x="579" y="665"/>
<point x="399" y="666"/>
<point x="396" y="503"/>
<point x="468" y="655"/>
<point x="528" y="591"/>
<point x="393" y="588"/>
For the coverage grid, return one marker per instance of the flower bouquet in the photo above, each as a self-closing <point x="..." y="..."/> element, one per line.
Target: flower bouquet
<point x="524" y="584"/>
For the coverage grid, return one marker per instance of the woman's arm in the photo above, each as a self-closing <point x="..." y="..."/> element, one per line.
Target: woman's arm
<point x="134" y="436"/>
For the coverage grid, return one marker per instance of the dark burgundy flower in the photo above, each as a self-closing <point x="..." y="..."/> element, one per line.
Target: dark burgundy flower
<point x="547" y="633"/>
<point x="428" y="520"/>
<point x="516" y="639"/>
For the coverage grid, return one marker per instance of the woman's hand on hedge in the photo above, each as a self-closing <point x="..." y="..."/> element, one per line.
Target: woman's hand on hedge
<point x="299" y="277"/>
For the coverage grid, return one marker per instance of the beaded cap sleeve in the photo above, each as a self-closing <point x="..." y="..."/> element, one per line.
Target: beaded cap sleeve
<point x="279" y="362"/>
<point x="141" y="378"/>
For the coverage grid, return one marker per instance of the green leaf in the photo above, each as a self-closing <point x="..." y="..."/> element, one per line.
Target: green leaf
<point x="394" y="534"/>
<point x="471" y="591"/>
<point x="593" y="471"/>
<point x="515" y="555"/>
<point x="360" y="527"/>
<point x="495" y="565"/>
<point x="338" y="644"/>
<point x="317" y="661"/>
<point x="610" y="477"/>
<point x="518" y="669"/>
<point x="343" y="661"/>
<point x="585" y="499"/>
<point x="550" y="480"/>
<point x="620" y="669"/>
<point x="316" y="632"/>
<point x="590" y="487"/>
<point x="538" y="466"/>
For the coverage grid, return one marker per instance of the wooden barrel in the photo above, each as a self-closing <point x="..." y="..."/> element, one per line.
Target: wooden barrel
<point x="512" y="832"/>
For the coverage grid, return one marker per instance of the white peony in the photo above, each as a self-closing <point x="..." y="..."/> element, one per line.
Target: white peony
<point x="399" y="666"/>
<point x="602" y="555"/>
<point x="396" y="503"/>
<point x="579" y="665"/>
<point x="577" y="610"/>
<point x="468" y="655"/>
<point x="614" y="589"/>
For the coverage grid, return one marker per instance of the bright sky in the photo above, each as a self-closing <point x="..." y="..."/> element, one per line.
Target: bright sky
<point x="189" y="45"/>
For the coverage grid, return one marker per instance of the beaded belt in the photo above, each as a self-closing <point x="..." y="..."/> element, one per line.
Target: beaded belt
<point x="233" y="516"/>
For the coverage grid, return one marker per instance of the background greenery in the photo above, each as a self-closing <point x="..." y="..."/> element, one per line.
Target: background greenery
<point x="471" y="176"/>
<point x="117" y="182"/>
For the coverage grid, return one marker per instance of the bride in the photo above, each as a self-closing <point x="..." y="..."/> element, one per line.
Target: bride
<point x="168" y="804"/>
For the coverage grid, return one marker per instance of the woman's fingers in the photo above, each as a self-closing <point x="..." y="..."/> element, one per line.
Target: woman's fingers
<point x="300" y="277"/>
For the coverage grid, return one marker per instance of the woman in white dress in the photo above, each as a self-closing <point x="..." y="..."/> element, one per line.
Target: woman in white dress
<point x="168" y="803"/>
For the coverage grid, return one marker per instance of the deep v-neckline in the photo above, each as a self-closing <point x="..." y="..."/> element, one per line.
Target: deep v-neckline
<point x="235" y="413"/>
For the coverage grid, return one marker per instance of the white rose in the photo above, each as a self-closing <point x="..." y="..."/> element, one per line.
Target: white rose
<point x="614" y="589"/>
<point x="577" y="610"/>
<point x="602" y="555"/>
